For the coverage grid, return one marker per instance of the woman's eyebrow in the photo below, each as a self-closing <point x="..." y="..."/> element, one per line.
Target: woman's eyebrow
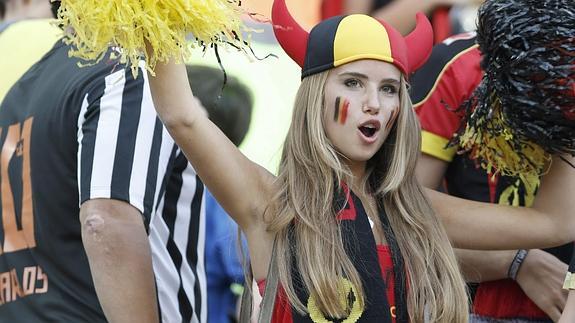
<point x="356" y="74"/>
<point x="363" y="76"/>
<point x="391" y="80"/>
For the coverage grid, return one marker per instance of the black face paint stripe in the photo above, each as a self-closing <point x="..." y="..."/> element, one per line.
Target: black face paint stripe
<point x="336" y="110"/>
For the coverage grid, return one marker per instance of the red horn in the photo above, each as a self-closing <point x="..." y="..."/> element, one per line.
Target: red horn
<point x="419" y="43"/>
<point x="291" y="36"/>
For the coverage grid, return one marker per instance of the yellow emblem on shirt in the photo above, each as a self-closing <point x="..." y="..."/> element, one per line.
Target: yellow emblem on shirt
<point x="346" y="292"/>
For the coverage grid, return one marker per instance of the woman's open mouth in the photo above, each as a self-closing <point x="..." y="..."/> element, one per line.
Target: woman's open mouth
<point x="369" y="130"/>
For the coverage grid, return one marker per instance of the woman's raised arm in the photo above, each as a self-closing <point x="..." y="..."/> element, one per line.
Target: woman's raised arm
<point x="550" y="222"/>
<point x="241" y="186"/>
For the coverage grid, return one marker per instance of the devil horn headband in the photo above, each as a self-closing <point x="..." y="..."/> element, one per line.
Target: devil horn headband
<point x="322" y="49"/>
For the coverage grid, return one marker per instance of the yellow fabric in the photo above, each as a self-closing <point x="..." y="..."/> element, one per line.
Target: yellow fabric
<point x="347" y="47"/>
<point x="496" y="150"/>
<point x="345" y="288"/>
<point x="166" y="25"/>
<point x="21" y="45"/>
<point x="434" y="145"/>
<point x="524" y="187"/>
<point x="569" y="281"/>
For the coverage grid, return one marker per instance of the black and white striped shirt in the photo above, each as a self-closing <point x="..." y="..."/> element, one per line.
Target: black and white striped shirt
<point x="72" y="134"/>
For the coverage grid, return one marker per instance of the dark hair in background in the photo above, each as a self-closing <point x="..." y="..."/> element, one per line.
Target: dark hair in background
<point x="55" y="6"/>
<point x="229" y="106"/>
<point x="2" y="8"/>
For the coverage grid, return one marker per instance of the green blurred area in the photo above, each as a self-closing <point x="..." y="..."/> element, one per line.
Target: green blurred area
<point x="273" y="82"/>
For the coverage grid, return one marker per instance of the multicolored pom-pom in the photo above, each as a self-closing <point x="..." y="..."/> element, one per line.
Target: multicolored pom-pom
<point x="170" y="28"/>
<point x="524" y="109"/>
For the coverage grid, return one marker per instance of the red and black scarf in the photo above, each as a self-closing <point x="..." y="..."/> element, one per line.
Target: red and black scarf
<point x="360" y="246"/>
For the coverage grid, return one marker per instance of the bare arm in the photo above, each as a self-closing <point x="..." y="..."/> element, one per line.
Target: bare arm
<point x="242" y="187"/>
<point x="430" y="171"/>
<point x="550" y="222"/>
<point x="357" y="6"/>
<point x="477" y="266"/>
<point x="480" y="266"/>
<point x="568" y="315"/>
<point x="540" y="276"/>
<point x="541" y="273"/>
<point x="399" y="13"/>
<point x="118" y="251"/>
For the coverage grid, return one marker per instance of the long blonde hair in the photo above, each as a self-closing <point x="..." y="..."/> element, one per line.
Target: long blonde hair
<point x="309" y="172"/>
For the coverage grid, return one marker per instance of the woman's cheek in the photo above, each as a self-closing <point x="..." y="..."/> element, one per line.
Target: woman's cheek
<point x="392" y="118"/>
<point x="341" y="110"/>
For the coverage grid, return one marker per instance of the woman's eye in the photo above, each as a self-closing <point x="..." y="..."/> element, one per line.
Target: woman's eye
<point x="389" y="89"/>
<point x="352" y="83"/>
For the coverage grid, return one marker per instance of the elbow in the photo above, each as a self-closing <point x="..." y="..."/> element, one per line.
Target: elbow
<point x="178" y="123"/>
<point x="559" y="230"/>
<point x="182" y="115"/>
<point x="108" y="227"/>
<point x="565" y="232"/>
<point x="94" y="227"/>
<point x="100" y="228"/>
<point x="99" y="234"/>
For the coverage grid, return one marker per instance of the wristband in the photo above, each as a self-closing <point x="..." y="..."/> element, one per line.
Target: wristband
<point x="516" y="263"/>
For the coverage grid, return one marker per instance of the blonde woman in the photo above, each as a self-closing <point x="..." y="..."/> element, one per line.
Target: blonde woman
<point x="356" y="240"/>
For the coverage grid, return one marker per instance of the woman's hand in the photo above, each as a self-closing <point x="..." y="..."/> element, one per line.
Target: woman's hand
<point x="541" y="278"/>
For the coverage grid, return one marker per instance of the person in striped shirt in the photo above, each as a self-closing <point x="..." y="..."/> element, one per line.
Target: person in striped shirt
<point x="102" y="216"/>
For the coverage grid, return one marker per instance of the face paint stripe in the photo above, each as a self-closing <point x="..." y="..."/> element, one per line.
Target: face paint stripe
<point x="336" y="111"/>
<point x="343" y="113"/>
<point x="391" y="120"/>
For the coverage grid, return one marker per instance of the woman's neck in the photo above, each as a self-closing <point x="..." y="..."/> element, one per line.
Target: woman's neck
<point x="358" y="172"/>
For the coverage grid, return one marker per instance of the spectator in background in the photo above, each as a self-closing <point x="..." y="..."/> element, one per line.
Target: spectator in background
<point x="26" y="34"/>
<point x="399" y="13"/>
<point x="102" y="214"/>
<point x="534" y="292"/>
<point x="12" y="11"/>
<point x="230" y="108"/>
<point x="228" y="105"/>
<point x="515" y="285"/>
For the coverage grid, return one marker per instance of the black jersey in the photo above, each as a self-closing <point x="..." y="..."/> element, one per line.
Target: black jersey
<point x="71" y="134"/>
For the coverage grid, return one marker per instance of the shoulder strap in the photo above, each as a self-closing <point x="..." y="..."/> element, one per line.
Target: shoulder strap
<point x="269" y="297"/>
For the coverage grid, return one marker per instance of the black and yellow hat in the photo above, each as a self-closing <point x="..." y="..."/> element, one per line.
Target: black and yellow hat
<point x="343" y="39"/>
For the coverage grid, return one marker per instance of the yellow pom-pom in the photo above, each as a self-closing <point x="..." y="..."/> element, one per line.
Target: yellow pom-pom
<point x="93" y="26"/>
<point x="496" y="152"/>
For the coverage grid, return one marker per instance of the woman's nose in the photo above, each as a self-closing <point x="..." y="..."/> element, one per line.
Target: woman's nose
<point x="371" y="104"/>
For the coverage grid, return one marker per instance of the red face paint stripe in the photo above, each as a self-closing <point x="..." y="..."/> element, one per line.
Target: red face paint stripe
<point x="391" y="119"/>
<point x="343" y="112"/>
<point x="336" y="111"/>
